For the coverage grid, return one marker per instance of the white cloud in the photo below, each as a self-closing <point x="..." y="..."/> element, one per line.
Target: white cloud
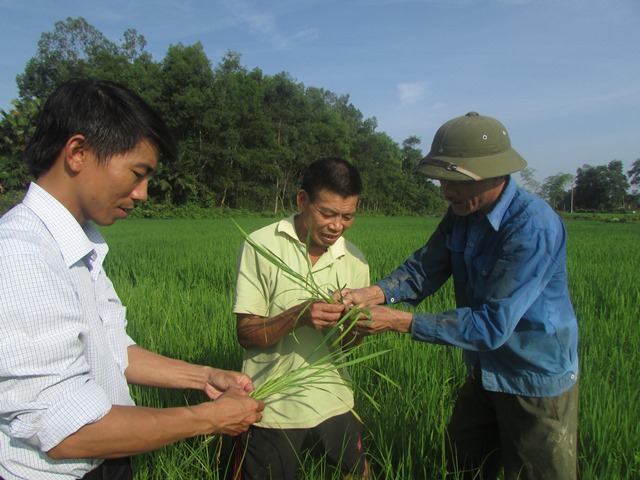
<point x="412" y="92"/>
<point x="614" y="95"/>
<point x="265" y="26"/>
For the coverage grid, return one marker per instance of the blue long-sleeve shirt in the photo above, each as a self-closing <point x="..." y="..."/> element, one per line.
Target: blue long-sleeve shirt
<point x="514" y="317"/>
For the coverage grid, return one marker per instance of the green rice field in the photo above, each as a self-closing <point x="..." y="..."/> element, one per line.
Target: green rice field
<point x="176" y="278"/>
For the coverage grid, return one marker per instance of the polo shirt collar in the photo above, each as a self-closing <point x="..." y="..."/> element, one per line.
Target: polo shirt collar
<point x="287" y="226"/>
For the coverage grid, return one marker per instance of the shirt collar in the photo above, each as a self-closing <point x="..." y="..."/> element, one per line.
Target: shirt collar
<point x="75" y="241"/>
<point x="496" y="215"/>
<point x="287" y="226"/>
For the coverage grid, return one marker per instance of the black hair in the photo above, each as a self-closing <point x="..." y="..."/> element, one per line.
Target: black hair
<point x="112" y="118"/>
<point x="333" y="174"/>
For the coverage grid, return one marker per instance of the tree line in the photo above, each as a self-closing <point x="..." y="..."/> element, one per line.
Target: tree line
<point x="600" y="188"/>
<point x="244" y="137"/>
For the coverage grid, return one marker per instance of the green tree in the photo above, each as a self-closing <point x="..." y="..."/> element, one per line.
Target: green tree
<point x="244" y="137"/>
<point x="634" y="173"/>
<point x="379" y="159"/>
<point x="242" y="171"/>
<point x="554" y="190"/>
<point x="618" y="184"/>
<point x="75" y="49"/>
<point x="69" y="52"/>
<point x="602" y="187"/>
<point x="529" y="183"/>
<point x="411" y="154"/>
<point x="185" y="83"/>
<point x="16" y="128"/>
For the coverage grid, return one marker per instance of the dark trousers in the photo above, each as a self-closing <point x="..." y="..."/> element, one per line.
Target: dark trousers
<point x="275" y="454"/>
<point x="112" y="469"/>
<point x="531" y="438"/>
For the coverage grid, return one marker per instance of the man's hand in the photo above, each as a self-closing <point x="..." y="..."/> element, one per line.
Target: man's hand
<point x="232" y="413"/>
<point x="319" y="315"/>
<point x="378" y="319"/>
<point x="362" y="297"/>
<point x="220" y="381"/>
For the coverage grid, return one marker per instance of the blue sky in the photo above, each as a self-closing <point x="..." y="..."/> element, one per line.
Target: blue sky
<point x="562" y="75"/>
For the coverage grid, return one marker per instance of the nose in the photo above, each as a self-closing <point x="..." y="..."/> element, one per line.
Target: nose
<point x="139" y="193"/>
<point x="335" y="225"/>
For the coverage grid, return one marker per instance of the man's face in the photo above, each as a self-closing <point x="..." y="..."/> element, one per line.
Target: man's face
<point x="326" y="218"/>
<point x="109" y="191"/>
<point x="468" y="197"/>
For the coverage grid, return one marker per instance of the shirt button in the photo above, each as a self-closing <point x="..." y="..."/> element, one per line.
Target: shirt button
<point x="471" y="244"/>
<point x="392" y="300"/>
<point x="484" y="273"/>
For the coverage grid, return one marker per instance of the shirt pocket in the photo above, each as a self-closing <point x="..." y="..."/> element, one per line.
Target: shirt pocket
<point x="456" y="244"/>
<point x="483" y="267"/>
<point x="113" y="316"/>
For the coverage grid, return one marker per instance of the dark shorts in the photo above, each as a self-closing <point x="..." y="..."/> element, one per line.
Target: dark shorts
<point x="112" y="469"/>
<point x="267" y="453"/>
<point x="530" y="437"/>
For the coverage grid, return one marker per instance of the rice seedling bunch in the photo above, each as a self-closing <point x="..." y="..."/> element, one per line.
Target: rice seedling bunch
<point x="339" y="336"/>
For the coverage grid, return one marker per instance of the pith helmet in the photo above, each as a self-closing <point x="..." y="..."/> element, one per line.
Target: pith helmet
<point x="471" y="147"/>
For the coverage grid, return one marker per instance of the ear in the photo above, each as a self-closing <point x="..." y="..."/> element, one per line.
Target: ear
<point x="76" y="153"/>
<point x="500" y="181"/>
<point x="302" y="199"/>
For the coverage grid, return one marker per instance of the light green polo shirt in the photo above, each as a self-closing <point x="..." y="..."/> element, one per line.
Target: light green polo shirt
<point x="263" y="289"/>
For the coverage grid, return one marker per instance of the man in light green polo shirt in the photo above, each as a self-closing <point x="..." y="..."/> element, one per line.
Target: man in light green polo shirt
<point x="279" y="329"/>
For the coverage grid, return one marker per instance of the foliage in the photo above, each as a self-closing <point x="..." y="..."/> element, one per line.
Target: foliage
<point x="634" y="173"/>
<point x="16" y="128"/>
<point x="411" y="154"/>
<point x="553" y="190"/>
<point x="68" y="52"/>
<point x="529" y="183"/>
<point x="244" y="137"/>
<point x="602" y="187"/>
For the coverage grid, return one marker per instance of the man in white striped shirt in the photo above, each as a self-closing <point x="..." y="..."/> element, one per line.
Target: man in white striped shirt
<point x="66" y="358"/>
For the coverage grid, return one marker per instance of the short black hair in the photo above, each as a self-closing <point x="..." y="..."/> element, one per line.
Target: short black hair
<point x="333" y="174"/>
<point x="112" y="118"/>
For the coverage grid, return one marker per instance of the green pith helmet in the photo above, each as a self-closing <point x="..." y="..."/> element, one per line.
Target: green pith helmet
<point x="471" y="147"/>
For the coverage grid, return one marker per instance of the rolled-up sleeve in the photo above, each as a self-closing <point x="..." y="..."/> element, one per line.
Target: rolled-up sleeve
<point x="47" y="391"/>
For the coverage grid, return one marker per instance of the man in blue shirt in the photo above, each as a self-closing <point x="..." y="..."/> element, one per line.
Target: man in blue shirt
<point x="505" y="250"/>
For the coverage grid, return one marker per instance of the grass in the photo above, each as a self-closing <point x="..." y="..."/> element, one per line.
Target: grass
<point x="176" y="278"/>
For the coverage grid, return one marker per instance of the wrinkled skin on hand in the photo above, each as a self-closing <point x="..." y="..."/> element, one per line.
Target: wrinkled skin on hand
<point x="362" y="297"/>
<point x="378" y="319"/>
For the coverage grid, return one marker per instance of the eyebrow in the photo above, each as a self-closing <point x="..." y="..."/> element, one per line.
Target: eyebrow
<point x="148" y="169"/>
<point x="329" y="211"/>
